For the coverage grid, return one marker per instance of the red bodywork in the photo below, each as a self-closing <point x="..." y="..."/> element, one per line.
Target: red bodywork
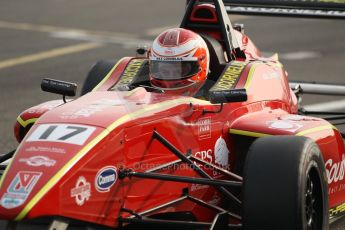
<point x="67" y="177"/>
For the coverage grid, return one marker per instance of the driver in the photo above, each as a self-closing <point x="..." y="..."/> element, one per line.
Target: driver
<point x="179" y="62"/>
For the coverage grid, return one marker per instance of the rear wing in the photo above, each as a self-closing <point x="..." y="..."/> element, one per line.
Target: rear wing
<point x="333" y="9"/>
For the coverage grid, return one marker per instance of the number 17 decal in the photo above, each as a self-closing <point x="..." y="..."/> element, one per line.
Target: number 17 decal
<point x="65" y="133"/>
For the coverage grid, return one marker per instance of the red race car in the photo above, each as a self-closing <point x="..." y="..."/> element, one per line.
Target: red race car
<point x="198" y="132"/>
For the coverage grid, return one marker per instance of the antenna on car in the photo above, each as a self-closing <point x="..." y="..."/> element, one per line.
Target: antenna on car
<point x="230" y="42"/>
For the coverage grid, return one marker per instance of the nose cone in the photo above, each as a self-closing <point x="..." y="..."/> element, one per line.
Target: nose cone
<point x="44" y="157"/>
<point x="67" y="165"/>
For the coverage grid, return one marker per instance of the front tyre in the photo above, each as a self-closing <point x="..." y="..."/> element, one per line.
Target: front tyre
<point x="285" y="185"/>
<point x="96" y="75"/>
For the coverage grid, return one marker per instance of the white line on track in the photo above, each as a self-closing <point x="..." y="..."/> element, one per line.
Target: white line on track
<point x="48" y="54"/>
<point x="295" y="56"/>
<point x="156" y="31"/>
<point x="52" y="29"/>
<point x="95" y="38"/>
<point x="127" y="42"/>
<point x="300" y="55"/>
<point x="126" y="39"/>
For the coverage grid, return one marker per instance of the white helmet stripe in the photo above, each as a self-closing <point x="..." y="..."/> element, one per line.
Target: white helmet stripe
<point x="187" y="49"/>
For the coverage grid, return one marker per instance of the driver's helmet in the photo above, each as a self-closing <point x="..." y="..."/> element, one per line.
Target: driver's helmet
<point x="179" y="62"/>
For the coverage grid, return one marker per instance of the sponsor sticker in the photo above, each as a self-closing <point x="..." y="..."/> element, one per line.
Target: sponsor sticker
<point x="205" y="155"/>
<point x="204" y="128"/>
<point x="272" y="75"/>
<point x="87" y="111"/>
<point x="91" y="109"/>
<point x="337" y="210"/>
<point x="45" y="149"/>
<point x="221" y="153"/>
<point x="335" y="170"/>
<point x="197" y="187"/>
<point x="284" y="125"/>
<point x="45" y="106"/>
<point x="65" y="133"/>
<point x="300" y="118"/>
<point x="105" y="179"/>
<point x="82" y="191"/>
<point x="37" y="161"/>
<point x="230" y="77"/>
<point x="19" y="189"/>
<point x="174" y="58"/>
<point x="169" y="51"/>
<point x="130" y="72"/>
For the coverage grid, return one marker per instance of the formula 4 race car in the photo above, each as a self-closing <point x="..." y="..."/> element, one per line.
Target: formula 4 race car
<point x="241" y="154"/>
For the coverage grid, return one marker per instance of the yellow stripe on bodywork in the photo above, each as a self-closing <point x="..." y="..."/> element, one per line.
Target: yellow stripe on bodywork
<point x="248" y="133"/>
<point x="27" y="122"/>
<point x="9" y="165"/>
<point x="7" y="168"/>
<point x="133" y="91"/>
<point x="250" y="76"/>
<point x="59" y="174"/>
<point x="109" y="74"/>
<point x="316" y="129"/>
<point x="252" y="70"/>
<point x="230" y="76"/>
<point x="24" y="124"/>
<point x="96" y="140"/>
<point x="337" y="210"/>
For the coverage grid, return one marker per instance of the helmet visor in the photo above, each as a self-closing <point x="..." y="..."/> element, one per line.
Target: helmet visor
<point x="173" y="70"/>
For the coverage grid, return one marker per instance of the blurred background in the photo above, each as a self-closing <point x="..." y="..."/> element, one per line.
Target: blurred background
<point x="62" y="39"/>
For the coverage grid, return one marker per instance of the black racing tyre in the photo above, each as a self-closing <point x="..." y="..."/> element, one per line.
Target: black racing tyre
<point x="96" y="75"/>
<point x="285" y="185"/>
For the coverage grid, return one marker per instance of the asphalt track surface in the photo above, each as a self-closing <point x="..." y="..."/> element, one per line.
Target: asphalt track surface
<point x="62" y="39"/>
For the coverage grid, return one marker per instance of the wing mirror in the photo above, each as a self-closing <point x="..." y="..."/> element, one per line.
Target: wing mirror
<point x="226" y="96"/>
<point x="63" y="88"/>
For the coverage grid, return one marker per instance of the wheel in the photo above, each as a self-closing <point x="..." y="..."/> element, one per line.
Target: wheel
<point x="96" y="75"/>
<point x="285" y="185"/>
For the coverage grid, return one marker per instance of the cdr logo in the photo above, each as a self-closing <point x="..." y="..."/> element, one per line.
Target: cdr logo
<point x="335" y="171"/>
